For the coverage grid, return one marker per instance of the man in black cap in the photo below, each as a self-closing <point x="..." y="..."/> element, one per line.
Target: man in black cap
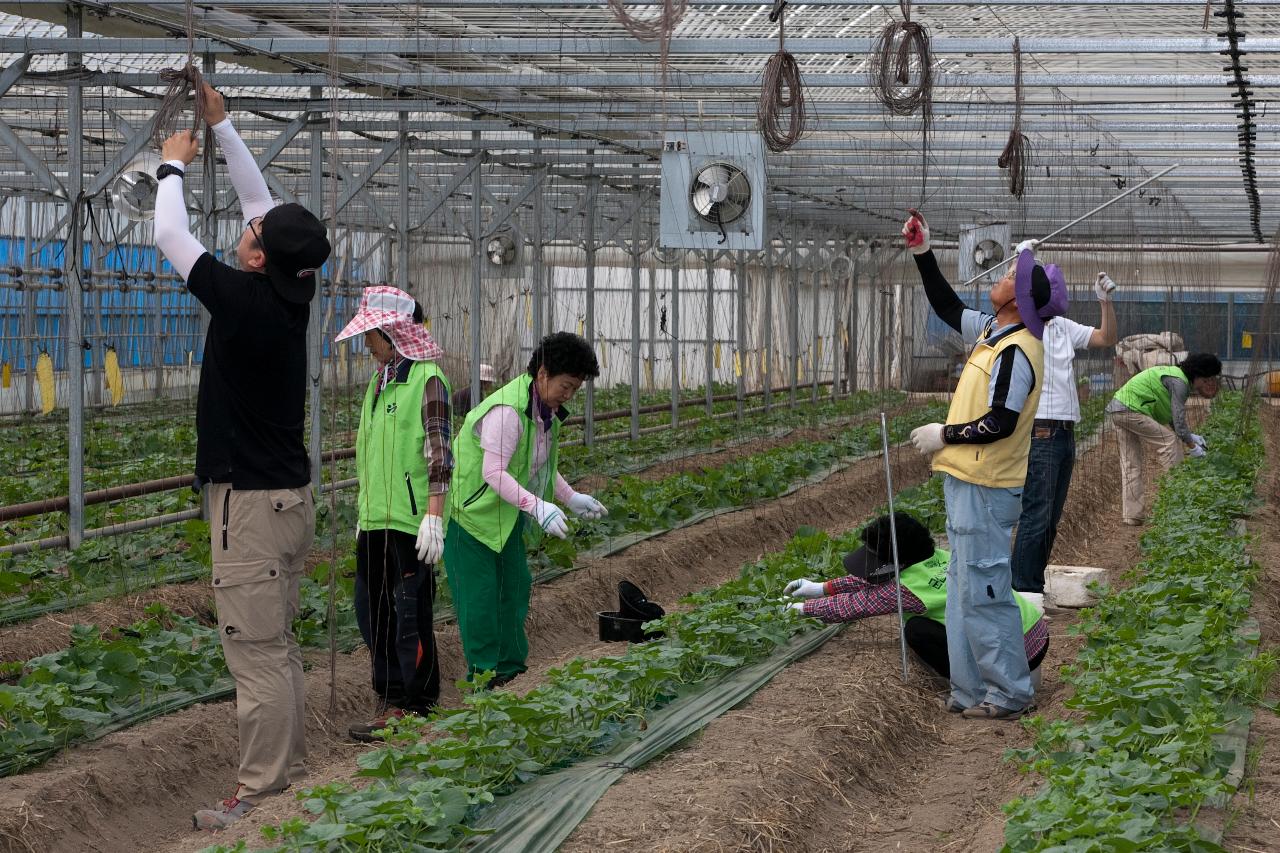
<point x="250" y="454"/>
<point x="868" y="590"/>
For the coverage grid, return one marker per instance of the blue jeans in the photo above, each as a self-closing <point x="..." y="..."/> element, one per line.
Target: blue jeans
<point x="984" y="626"/>
<point x="1053" y="456"/>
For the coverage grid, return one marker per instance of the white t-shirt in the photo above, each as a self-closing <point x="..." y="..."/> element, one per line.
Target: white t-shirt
<point x="1059" y="400"/>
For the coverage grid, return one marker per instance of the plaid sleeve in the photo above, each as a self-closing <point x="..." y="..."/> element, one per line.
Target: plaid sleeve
<point x="438" y="446"/>
<point x="869" y="600"/>
<point x="1036" y="639"/>
<point x="848" y="583"/>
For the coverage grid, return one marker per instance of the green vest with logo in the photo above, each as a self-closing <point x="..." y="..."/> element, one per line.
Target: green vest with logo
<point x="928" y="582"/>
<point x="473" y="504"/>
<point x="390" y="464"/>
<point x="1146" y="393"/>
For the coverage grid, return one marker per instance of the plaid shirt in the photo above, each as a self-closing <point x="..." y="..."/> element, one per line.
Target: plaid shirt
<point x="851" y="598"/>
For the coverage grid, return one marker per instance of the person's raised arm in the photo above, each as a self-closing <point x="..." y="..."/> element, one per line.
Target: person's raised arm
<point x="242" y="168"/>
<point x="172" y="228"/>
<point x="942" y="298"/>
<point x="1108" y="333"/>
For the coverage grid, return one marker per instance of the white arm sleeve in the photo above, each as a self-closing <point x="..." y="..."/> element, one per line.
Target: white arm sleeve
<point x="246" y="177"/>
<point x="173" y="230"/>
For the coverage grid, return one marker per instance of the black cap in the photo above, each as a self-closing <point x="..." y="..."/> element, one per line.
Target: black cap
<point x="873" y="562"/>
<point x="296" y="246"/>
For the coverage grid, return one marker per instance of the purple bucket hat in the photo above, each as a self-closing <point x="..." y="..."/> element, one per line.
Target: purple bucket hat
<point x="1034" y="279"/>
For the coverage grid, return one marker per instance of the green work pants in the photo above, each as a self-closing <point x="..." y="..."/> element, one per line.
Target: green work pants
<point x="491" y="598"/>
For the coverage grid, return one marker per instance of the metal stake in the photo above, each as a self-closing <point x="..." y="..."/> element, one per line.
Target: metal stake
<point x="893" y="533"/>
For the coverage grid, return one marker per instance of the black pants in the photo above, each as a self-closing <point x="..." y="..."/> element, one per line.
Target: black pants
<point x="928" y="639"/>
<point x="394" y="595"/>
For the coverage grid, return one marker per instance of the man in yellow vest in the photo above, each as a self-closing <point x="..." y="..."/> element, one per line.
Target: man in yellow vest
<point x="982" y="452"/>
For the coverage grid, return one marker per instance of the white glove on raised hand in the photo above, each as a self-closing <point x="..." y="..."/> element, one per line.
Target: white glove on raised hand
<point x="797" y="606"/>
<point x="1198" y="440"/>
<point x="928" y="439"/>
<point x="1104" y="287"/>
<point x="1196" y="452"/>
<point x="803" y="588"/>
<point x="551" y="519"/>
<point x="916" y="232"/>
<point x="1026" y="245"/>
<point x="585" y="506"/>
<point x="430" y="541"/>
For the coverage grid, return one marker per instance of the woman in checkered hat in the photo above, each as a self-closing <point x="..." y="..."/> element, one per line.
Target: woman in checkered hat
<point x="404" y="462"/>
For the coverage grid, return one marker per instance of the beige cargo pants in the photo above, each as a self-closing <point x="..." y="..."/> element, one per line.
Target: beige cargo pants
<point x="260" y="542"/>
<point x="1134" y="431"/>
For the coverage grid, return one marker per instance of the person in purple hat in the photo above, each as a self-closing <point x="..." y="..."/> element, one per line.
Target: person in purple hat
<point x="981" y="451"/>
<point x="1053" y="438"/>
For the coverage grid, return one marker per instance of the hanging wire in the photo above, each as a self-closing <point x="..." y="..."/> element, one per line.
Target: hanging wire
<point x="1016" y="156"/>
<point x="657" y="29"/>
<point x="900" y="47"/>
<point x="181" y="83"/>
<point x="782" y="94"/>
<point x="331" y="613"/>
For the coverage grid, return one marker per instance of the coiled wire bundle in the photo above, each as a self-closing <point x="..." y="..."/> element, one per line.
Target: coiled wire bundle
<point x="780" y="113"/>
<point x="899" y="47"/>
<point x="180" y="83"/>
<point x="1016" y="156"/>
<point x="657" y="29"/>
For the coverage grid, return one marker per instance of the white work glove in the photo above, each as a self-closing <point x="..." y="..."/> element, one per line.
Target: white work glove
<point x="1198" y="440"/>
<point x="916" y="232"/>
<point x="803" y="588"/>
<point x="585" y="506"/>
<point x="1104" y="287"/>
<point x="1196" y="452"/>
<point x="1025" y="246"/>
<point x="797" y="606"/>
<point x="928" y="439"/>
<point x="430" y="541"/>
<point x="551" y="519"/>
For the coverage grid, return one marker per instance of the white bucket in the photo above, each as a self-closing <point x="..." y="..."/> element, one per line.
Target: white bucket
<point x="1066" y="586"/>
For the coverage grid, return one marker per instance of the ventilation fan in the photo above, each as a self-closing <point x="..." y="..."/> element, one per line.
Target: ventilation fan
<point x="501" y="249"/>
<point x="720" y="194"/>
<point x="713" y="188"/>
<point x="664" y="256"/>
<point x="987" y="254"/>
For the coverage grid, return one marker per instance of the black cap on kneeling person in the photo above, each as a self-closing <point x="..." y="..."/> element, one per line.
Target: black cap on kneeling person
<point x="873" y="562"/>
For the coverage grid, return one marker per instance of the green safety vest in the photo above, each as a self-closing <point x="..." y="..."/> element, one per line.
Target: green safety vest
<point x="475" y="506"/>
<point x="928" y="582"/>
<point x="390" y="464"/>
<point x="1146" y="393"/>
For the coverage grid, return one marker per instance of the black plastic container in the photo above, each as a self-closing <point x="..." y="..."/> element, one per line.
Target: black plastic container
<point x="616" y="628"/>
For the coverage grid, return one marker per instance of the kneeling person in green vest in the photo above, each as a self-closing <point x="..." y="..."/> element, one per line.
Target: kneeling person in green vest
<point x="868" y="590"/>
<point x="404" y="463"/>
<point x="507" y="454"/>
<point x="1150" y="411"/>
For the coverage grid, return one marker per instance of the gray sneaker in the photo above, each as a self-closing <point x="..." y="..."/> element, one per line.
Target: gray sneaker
<point x="228" y="812"/>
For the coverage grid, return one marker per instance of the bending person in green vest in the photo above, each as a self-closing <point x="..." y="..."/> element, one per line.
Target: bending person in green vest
<point x="404" y="463"/>
<point x="1150" y="411"/>
<point x="981" y="451"/>
<point x="868" y="591"/>
<point x="507" y="452"/>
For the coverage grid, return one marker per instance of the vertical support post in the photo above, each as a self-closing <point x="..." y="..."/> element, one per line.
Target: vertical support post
<point x="402" y="208"/>
<point x="551" y="299"/>
<point x="675" y="346"/>
<point x="766" y="344"/>
<point x="537" y="273"/>
<point x="157" y="343"/>
<point x="635" y="317"/>
<point x="653" y="326"/>
<point x="837" y="344"/>
<point x="816" y="293"/>
<point x="477" y="269"/>
<point x="794" y="325"/>
<point x="315" y="334"/>
<point x="29" y="308"/>
<point x="73" y="256"/>
<point x="589" y="325"/>
<point x="854" y="319"/>
<point x="93" y="327"/>
<point x="740" y="332"/>
<point x="711" y="332"/>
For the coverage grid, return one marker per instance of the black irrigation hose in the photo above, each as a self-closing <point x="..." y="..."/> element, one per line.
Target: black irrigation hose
<point x="781" y="94"/>
<point x="1016" y="156"/>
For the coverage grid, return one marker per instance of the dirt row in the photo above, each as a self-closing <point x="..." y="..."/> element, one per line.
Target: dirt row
<point x="838" y="754"/>
<point x="51" y="632"/>
<point x="135" y="789"/>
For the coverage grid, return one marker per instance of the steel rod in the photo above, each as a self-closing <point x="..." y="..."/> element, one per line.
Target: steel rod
<point x="893" y="535"/>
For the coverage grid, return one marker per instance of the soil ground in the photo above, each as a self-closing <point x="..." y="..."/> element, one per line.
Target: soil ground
<point x="838" y="754"/>
<point x="134" y="790"/>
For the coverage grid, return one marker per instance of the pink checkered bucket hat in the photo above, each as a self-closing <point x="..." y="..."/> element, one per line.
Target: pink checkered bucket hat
<point x="391" y="310"/>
